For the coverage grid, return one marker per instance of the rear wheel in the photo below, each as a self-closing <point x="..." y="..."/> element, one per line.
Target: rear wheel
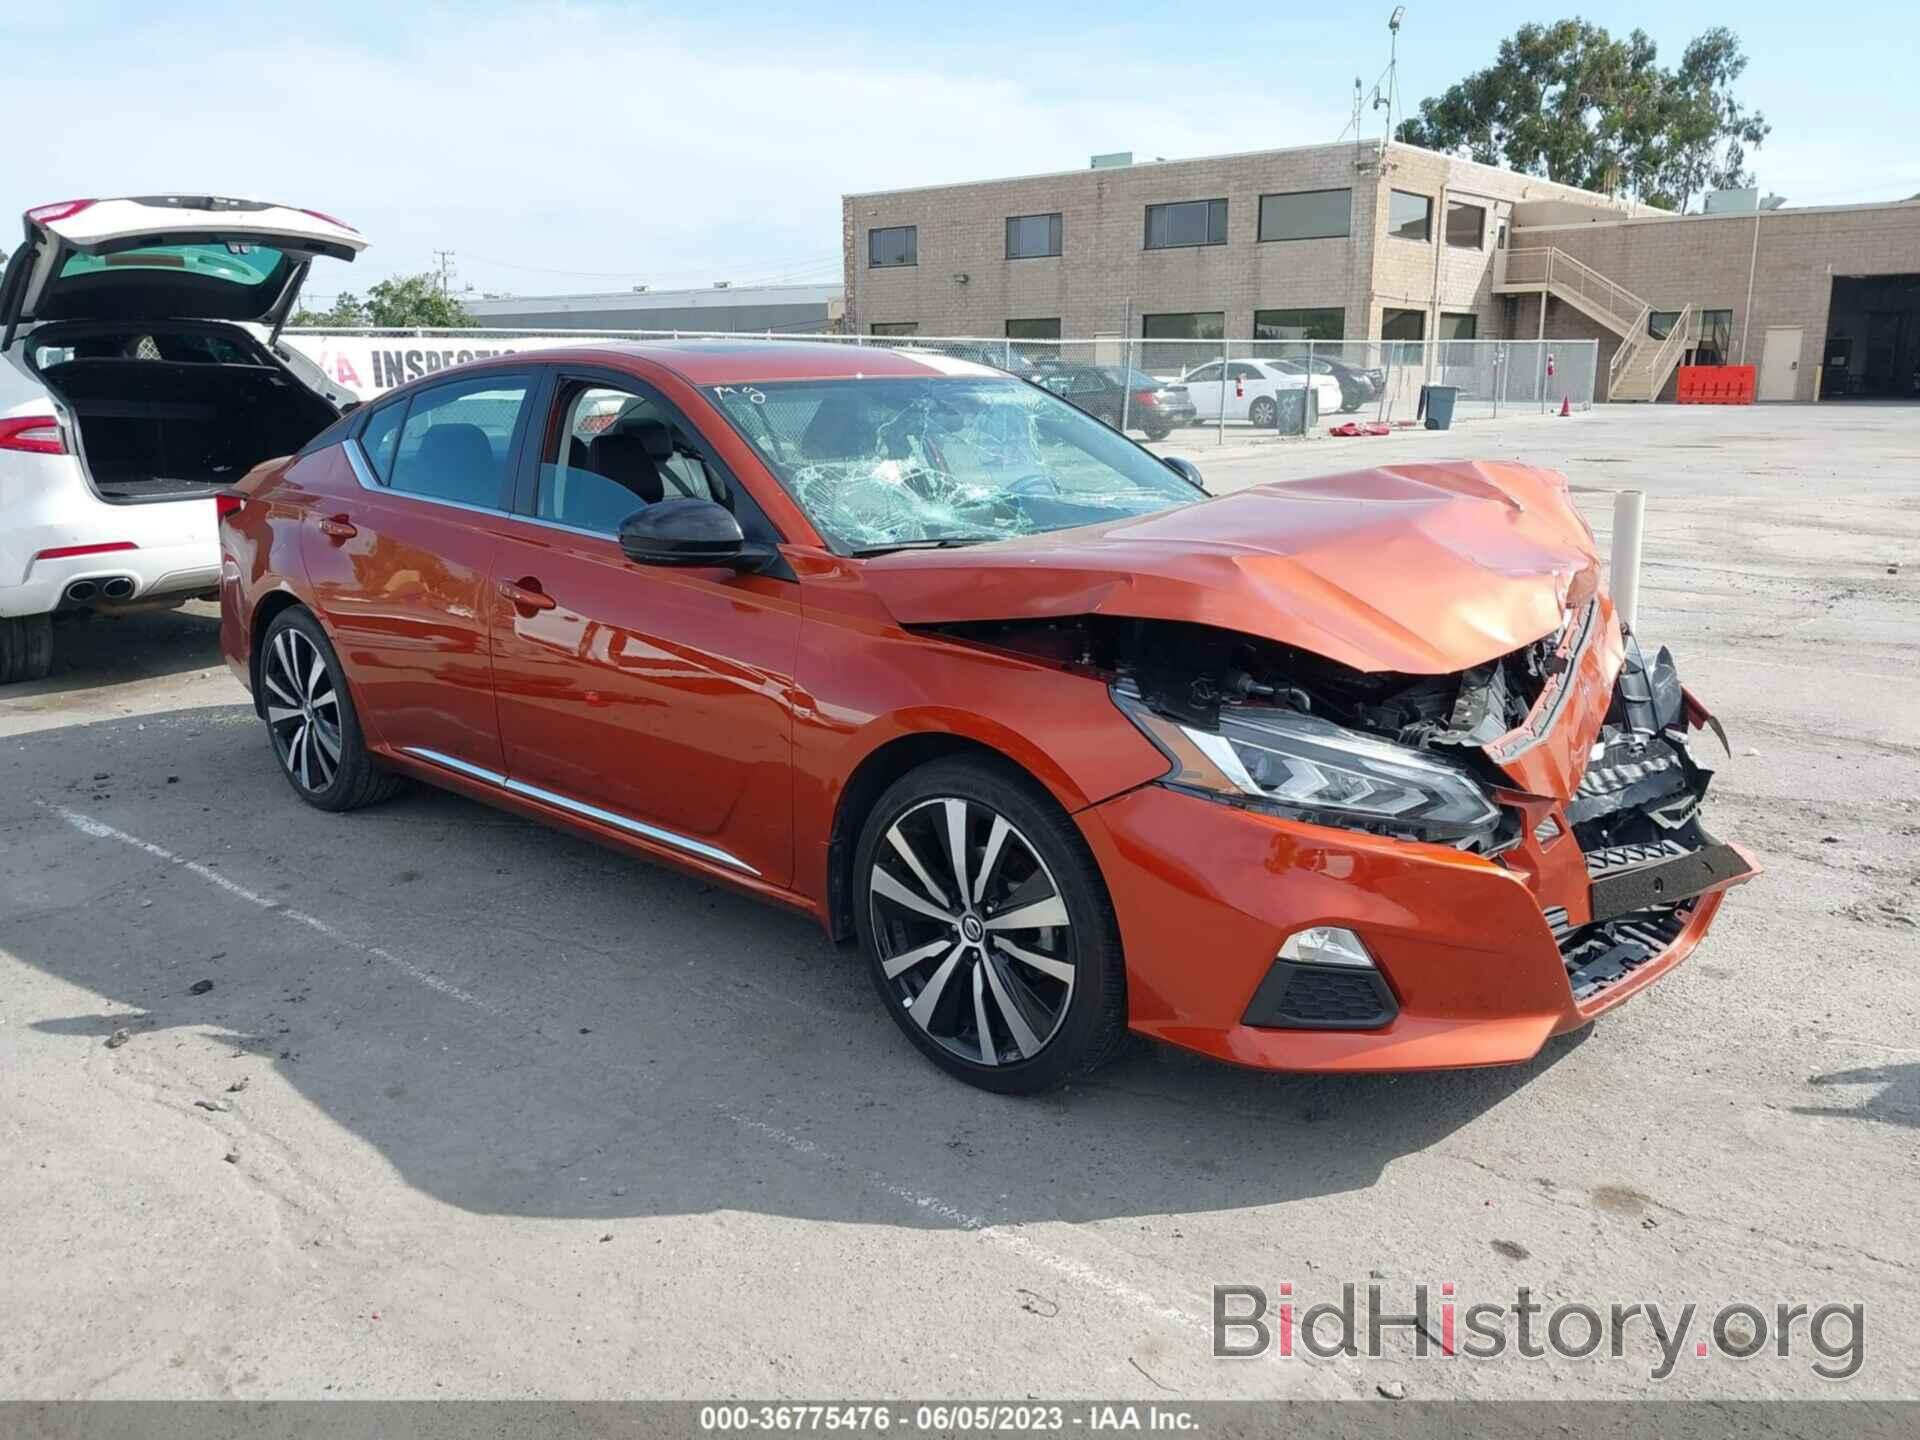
<point x="26" y="648"/>
<point x="988" y="929"/>
<point x="1264" y="413"/>
<point x="1158" y="432"/>
<point x="311" y="722"/>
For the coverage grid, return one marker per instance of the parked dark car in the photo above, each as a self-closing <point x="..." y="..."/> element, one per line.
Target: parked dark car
<point x="1357" y="386"/>
<point x="1114" y="392"/>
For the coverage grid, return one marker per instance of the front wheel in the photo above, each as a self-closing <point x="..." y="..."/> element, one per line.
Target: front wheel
<point x="311" y="722"/>
<point x="26" y="648"/>
<point x="988" y="929"/>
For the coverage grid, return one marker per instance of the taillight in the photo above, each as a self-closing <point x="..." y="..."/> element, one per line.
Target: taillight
<point x="1145" y="399"/>
<point x="59" y="210"/>
<point x="35" y="434"/>
<point x="226" y="503"/>
<point x="322" y="215"/>
<point x="104" y="547"/>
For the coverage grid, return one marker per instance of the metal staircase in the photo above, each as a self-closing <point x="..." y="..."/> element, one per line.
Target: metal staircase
<point x="1641" y="363"/>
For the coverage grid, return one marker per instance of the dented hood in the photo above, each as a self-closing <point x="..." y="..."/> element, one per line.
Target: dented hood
<point x="1421" y="569"/>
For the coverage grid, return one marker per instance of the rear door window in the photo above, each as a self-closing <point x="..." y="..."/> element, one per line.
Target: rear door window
<point x="458" y="439"/>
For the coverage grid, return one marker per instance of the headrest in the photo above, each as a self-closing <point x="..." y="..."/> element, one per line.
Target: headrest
<point x="654" y="434"/>
<point x="460" y="445"/>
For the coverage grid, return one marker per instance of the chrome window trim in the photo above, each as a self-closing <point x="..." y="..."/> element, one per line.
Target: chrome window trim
<point x="358" y="462"/>
<point x="580" y="807"/>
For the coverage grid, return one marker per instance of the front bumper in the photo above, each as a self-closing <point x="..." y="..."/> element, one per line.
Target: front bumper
<point x="1481" y="959"/>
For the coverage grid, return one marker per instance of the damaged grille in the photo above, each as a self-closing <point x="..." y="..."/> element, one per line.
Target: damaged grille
<point x="1597" y="956"/>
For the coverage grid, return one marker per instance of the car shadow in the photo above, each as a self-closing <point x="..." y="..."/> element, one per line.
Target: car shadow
<point x="524" y="1023"/>
<point x="92" y="650"/>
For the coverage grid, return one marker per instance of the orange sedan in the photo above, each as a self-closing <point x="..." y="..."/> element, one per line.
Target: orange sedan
<point x="1359" y="773"/>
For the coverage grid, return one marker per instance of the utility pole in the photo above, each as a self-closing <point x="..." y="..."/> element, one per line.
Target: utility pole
<point x="446" y="270"/>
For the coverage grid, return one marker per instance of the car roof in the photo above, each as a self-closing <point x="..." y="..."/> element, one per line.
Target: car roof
<point x="750" y="362"/>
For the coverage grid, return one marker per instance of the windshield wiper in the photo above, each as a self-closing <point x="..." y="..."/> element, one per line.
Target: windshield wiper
<point x="939" y="542"/>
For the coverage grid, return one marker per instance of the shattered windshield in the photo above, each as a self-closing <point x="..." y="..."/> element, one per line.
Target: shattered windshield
<point x="883" y="463"/>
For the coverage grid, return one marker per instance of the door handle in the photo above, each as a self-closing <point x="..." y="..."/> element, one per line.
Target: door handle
<point x="525" y="595"/>
<point x="337" y="527"/>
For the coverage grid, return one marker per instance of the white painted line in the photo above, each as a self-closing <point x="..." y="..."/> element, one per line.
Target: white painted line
<point x="100" y="830"/>
<point x="1076" y="1270"/>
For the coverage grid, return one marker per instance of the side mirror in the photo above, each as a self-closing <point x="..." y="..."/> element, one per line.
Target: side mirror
<point x="1185" y="469"/>
<point x="689" y="532"/>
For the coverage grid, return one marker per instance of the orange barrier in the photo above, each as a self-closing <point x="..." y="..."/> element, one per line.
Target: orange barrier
<point x="1714" y="385"/>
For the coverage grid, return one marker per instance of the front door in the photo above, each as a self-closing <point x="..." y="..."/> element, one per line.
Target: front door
<point x="1780" y="364"/>
<point x="654" y="701"/>
<point x="401" y="570"/>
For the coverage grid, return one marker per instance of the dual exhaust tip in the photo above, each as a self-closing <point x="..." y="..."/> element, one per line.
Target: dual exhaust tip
<point x="116" y="587"/>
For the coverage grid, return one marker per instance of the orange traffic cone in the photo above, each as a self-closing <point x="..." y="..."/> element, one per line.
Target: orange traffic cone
<point x="1566" y="407"/>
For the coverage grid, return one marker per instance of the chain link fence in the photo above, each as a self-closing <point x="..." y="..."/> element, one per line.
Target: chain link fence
<point x="1237" y="390"/>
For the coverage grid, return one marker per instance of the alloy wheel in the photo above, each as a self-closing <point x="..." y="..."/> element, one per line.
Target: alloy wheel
<point x="303" y="709"/>
<point x="973" y="934"/>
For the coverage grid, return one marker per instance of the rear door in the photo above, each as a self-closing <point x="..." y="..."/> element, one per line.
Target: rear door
<point x="401" y="567"/>
<point x="655" y="701"/>
<point x="166" y="257"/>
<point x="1203" y="388"/>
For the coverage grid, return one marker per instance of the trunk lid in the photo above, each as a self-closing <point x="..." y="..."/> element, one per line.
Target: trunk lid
<point x="166" y="257"/>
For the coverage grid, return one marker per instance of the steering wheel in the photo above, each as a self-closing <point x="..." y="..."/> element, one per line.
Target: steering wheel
<point x="1037" y="482"/>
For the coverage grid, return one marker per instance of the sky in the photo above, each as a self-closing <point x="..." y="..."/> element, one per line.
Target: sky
<point x="569" y="147"/>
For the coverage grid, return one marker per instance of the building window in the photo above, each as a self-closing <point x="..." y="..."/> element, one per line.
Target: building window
<point x="1500" y="236"/>
<point x="1193" y="222"/>
<point x="1324" y="324"/>
<point x="1716" y="337"/>
<point x="1403" y="325"/>
<point x="1195" y="325"/>
<point x="1306" y="215"/>
<point x="1660" y="323"/>
<point x="1033" y="329"/>
<point x="1031" y="236"/>
<point x="1458" y="327"/>
<point x="894" y="245"/>
<point x="1466" y="225"/>
<point x="895" y="327"/>
<point x="1409" y="216"/>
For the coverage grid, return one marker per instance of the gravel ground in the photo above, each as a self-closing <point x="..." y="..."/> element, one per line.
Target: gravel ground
<point x="472" y="1108"/>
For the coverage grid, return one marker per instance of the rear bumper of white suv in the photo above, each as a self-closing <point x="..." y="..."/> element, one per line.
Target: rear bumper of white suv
<point x="54" y="532"/>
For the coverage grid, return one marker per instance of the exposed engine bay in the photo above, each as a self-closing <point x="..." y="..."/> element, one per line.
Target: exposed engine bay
<point x="1268" y="726"/>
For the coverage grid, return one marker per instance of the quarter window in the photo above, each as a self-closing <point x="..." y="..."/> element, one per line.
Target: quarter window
<point x="457" y="439"/>
<point x="381" y="437"/>
<point x="1306" y="215"/>
<point x="1191" y="222"/>
<point x="1466" y="225"/>
<point x="893" y="245"/>
<point x="1409" y="216"/>
<point x="1032" y="236"/>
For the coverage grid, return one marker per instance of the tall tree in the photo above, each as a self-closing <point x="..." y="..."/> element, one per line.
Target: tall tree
<point x="1571" y="102"/>
<point x="403" y="302"/>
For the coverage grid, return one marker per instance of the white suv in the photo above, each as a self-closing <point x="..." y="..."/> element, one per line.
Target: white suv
<point x="140" y="374"/>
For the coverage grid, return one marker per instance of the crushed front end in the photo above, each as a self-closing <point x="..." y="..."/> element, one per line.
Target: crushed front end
<point x="1363" y="870"/>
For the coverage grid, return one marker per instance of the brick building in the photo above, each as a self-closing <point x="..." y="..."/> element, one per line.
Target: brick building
<point x="1390" y="242"/>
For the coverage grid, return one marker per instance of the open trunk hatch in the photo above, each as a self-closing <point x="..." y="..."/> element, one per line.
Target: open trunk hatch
<point x="166" y="257"/>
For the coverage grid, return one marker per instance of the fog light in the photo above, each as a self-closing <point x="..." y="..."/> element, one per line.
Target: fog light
<point x="1326" y="945"/>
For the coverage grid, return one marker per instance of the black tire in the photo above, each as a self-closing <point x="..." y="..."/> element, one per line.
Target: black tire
<point x="26" y="648"/>
<point x="299" y="733"/>
<point x="1158" y="432"/>
<point x="1070" y="976"/>
<point x="1264" y="413"/>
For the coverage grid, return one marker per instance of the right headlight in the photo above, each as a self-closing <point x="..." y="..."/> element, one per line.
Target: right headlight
<point x="1310" y="769"/>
